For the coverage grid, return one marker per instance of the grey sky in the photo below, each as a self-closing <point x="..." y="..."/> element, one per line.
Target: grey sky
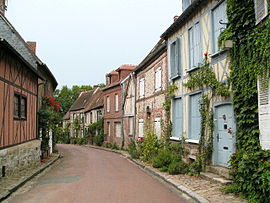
<point x="82" y="40"/>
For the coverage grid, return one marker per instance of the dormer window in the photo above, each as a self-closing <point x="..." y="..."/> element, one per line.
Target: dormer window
<point x="261" y="10"/>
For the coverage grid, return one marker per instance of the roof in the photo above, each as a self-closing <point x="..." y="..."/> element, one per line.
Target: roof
<point x="126" y="67"/>
<point x="4" y="43"/>
<point x="113" y="73"/>
<point x="158" y="49"/>
<point x="67" y="116"/>
<point x="47" y="70"/>
<point x="194" y="6"/>
<point x="82" y="101"/>
<point x="96" y="100"/>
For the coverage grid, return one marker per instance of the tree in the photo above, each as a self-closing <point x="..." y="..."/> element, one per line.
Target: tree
<point x="67" y="96"/>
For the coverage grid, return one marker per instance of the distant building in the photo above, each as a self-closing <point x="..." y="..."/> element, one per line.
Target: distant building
<point x="113" y="112"/>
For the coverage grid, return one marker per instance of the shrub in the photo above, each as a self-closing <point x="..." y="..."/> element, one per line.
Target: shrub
<point x="99" y="139"/>
<point x="194" y="169"/>
<point x="177" y="167"/>
<point x="114" y="146"/>
<point x="133" y="150"/>
<point x="149" y="146"/>
<point x="164" y="158"/>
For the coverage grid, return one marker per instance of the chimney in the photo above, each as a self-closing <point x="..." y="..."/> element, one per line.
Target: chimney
<point x="175" y="18"/>
<point x="32" y="46"/>
<point x="3" y="7"/>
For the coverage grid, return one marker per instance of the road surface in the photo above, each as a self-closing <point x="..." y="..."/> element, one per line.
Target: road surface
<point x="91" y="175"/>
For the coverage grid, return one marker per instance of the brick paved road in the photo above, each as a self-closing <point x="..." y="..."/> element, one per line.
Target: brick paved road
<point x="90" y="175"/>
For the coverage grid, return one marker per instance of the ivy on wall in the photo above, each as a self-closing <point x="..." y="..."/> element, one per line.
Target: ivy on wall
<point x="250" y="55"/>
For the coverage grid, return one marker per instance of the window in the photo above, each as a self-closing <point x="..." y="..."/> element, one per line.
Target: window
<point x="158" y="127"/>
<point x="194" y="117"/>
<point x="118" y="130"/>
<point x="261" y="10"/>
<point x="195" y="50"/>
<point x="141" y="130"/>
<point x="177" y="117"/>
<point x="175" y="58"/>
<point x="116" y="102"/>
<point x="141" y="91"/>
<point x="99" y="115"/>
<point x="108" y="104"/>
<point x="219" y="17"/>
<point x="91" y="117"/>
<point x="131" y="126"/>
<point x="20" y="107"/>
<point x="158" y="79"/>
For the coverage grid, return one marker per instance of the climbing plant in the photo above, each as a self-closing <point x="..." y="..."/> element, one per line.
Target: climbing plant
<point x="167" y="124"/>
<point x="203" y="79"/>
<point x="250" y="55"/>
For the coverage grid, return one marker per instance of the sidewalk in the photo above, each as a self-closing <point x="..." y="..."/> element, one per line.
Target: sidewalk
<point x="10" y="184"/>
<point x="199" y="189"/>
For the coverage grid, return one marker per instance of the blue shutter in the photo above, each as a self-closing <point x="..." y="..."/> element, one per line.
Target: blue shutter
<point x="197" y="44"/>
<point x="178" y="56"/>
<point x="172" y="59"/>
<point x="191" y="47"/>
<point x="177" y="117"/>
<point x="219" y="14"/>
<point x="195" y="117"/>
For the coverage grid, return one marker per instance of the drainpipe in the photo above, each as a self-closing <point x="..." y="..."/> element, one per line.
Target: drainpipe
<point x="122" y="116"/>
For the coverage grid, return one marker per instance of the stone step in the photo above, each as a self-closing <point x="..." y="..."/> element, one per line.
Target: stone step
<point x="219" y="170"/>
<point x="215" y="178"/>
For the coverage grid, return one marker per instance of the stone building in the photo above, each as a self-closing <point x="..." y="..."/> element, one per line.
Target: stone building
<point x="195" y="33"/>
<point x="112" y="95"/>
<point x="151" y="82"/>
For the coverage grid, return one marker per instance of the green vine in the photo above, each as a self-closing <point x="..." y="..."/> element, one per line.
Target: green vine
<point x="202" y="79"/>
<point x="250" y="57"/>
<point x="167" y="124"/>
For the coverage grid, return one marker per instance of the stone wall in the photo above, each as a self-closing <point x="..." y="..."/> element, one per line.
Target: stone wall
<point x="19" y="156"/>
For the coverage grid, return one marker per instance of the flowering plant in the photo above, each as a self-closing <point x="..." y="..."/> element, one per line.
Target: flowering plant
<point x="50" y="101"/>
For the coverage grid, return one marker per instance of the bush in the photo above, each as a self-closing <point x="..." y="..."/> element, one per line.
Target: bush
<point x="99" y="139"/>
<point x="164" y="158"/>
<point x="133" y="151"/>
<point x="114" y="146"/>
<point x="177" y="167"/>
<point x="194" y="169"/>
<point x="149" y="146"/>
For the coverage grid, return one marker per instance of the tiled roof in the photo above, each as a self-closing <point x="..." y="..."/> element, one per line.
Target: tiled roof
<point x="67" y="116"/>
<point x="96" y="100"/>
<point x="82" y="101"/>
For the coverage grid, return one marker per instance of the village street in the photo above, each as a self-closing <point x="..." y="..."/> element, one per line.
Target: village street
<point x="89" y="175"/>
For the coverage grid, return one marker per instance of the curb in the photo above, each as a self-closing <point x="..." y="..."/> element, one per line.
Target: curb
<point x="16" y="186"/>
<point x="177" y="186"/>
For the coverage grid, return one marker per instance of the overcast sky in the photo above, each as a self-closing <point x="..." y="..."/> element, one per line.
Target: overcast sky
<point x="82" y="40"/>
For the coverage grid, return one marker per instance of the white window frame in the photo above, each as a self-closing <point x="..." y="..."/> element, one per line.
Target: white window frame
<point x="116" y="102"/>
<point x="141" y="88"/>
<point x="158" y="79"/>
<point x="118" y="129"/>
<point x="141" y="130"/>
<point x="108" y="103"/>
<point x="158" y="125"/>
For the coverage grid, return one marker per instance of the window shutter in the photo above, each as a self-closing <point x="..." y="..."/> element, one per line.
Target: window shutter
<point x="178" y="56"/>
<point x="197" y="44"/>
<point x="195" y="117"/>
<point x="172" y="59"/>
<point x="260" y="10"/>
<point x="177" y="118"/>
<point x="263" y="92"/>
<point x="191" y="47"/>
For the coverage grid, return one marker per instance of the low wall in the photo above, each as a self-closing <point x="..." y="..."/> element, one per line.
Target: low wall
<point x="20" y="156"/>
